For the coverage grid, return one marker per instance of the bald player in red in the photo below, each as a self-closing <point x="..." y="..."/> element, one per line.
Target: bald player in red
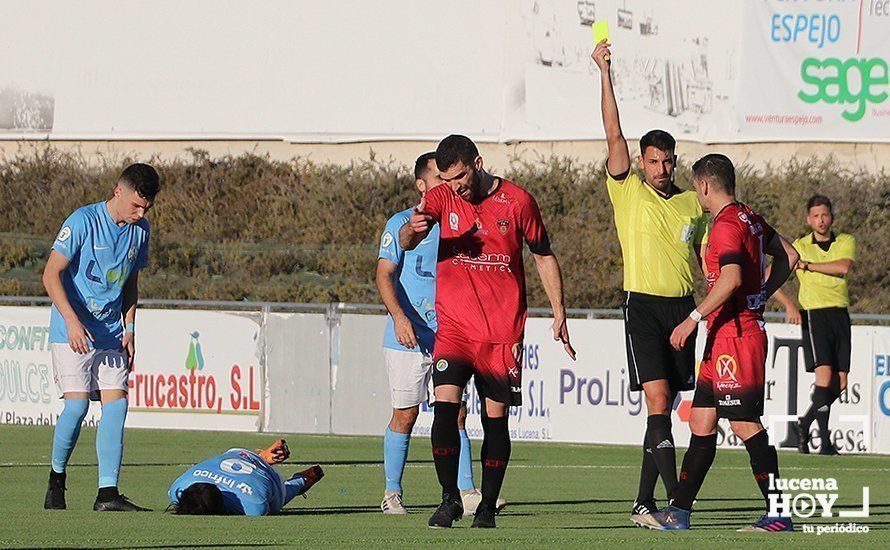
<point x="481" y="308"/>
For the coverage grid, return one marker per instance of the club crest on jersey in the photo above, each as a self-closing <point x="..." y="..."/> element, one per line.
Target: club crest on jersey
<point x="441" y="365"/>
<point x="453" y="221"/>
<point x="727" y="368"/>
<point x="503" y="225"/>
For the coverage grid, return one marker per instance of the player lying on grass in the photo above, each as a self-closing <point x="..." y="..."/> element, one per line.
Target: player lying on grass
<point x="240" y="482"/>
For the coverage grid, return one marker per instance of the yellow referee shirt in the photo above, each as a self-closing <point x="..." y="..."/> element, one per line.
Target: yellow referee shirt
<point x="658" y="236"/>
<point x="818" y="290"/>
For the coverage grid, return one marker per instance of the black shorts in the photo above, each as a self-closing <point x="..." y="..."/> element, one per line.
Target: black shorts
<point x="826" y="338"/>
<point x="496" y="368"/>
<point x="648" y="324"/>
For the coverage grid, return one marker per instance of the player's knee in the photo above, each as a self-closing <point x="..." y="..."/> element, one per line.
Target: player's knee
<point x="703" y="421"/>
<point x="746" y="429"/>
<point x="77" y="407"/>
<point x="403" y="420"/>
<point x="495" y="409"/>
<point x="658" y="404"/>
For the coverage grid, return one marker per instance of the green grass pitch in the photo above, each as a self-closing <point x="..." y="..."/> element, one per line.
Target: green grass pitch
<point x="558" y="494"/>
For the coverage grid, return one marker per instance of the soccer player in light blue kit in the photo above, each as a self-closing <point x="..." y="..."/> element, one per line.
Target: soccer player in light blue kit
<point x="92" y="278"/>
<point x="407" y="285"/>
<point x="240" y="482"/>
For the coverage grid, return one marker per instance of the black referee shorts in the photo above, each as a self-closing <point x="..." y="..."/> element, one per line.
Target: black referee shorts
<point x="648" y="324"/>
<point x="826" y="338"/>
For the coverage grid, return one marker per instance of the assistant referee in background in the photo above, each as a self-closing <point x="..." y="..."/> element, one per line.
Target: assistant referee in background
<point x="825" y="260"/>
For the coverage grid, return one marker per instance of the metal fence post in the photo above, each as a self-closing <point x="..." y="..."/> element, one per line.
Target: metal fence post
<point x="332" y="316"/>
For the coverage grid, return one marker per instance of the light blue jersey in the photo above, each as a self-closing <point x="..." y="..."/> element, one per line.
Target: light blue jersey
<point x="249" y="486"/>
<point x="416" y="288"/>
<point x="102" y="256"/>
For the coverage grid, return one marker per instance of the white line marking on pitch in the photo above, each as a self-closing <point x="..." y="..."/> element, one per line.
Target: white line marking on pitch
<point x="512" y="466"/>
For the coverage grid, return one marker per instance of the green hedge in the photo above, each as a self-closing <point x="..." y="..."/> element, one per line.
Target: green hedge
<point x="252" y="228"/>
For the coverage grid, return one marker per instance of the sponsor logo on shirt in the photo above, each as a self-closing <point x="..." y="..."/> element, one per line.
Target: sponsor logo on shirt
<point x="64" y="234"/>
<point x="483" y="262"/>
<point x="501" y="198"/>
<point x="441" y="365"/>
<point x="728" y="401"/>
<point x="453" y="221"/>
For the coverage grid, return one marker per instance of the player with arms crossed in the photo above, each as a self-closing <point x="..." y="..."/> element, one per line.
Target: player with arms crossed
<point x="662" y="231"/>
<point x="731" y="377"/>
<point x="240" y="483"/>
<point x="481" y="310"/>
<point x="825" y="260"/>
<point x="406" y="281"/>
<point x="92" y="278"/>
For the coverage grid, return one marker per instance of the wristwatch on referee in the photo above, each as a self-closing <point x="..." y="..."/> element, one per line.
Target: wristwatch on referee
<point x="695" y="316"/>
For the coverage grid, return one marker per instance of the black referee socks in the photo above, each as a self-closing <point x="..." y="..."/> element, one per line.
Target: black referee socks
<point x="696" y="463"/>
<point x="660" y="440"/>
<point x="648" y="473"/>
<point x="495" y="456"/>
<point x="819" y="411"/>
<point x="764" y="461"/>
<point x="445" y="438"/>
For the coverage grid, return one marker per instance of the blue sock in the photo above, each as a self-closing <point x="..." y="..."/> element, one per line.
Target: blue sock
<point x="67" y="431"/>
<point x="110" y="441"/>
<point x="293" y="487"/>
<point x="395" y="454"/>
<point x="465" y="469"/>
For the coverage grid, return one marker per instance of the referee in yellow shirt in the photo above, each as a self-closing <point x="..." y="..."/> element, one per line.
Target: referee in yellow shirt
<point x="825" y="260"/>
<point x="662" y="231"/>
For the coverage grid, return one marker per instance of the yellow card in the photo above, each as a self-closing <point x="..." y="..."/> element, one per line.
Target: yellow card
<point x="600" y="31"/>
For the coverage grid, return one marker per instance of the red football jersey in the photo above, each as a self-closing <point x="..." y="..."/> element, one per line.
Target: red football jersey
<point x="480" y="278"/>
<point x="738" y="237"/>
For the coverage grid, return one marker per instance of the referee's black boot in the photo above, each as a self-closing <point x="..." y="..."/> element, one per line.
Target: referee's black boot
<point x="55" y="491"/>
<point x="484" y="517"/>
<point x="828" y="450"/>
<point x="451" y="510"/>
<point x="109" y="500"/>
<point x="803" y="439"/>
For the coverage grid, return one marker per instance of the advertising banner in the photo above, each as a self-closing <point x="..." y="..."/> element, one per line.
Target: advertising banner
<point x="813" y="69"/>
<point x="28" y="394"/>
<point x="880" y="373"/>
<point x="590" y="400"/>
<point x="197" y="370"/>
<point x="194" y="370"/>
